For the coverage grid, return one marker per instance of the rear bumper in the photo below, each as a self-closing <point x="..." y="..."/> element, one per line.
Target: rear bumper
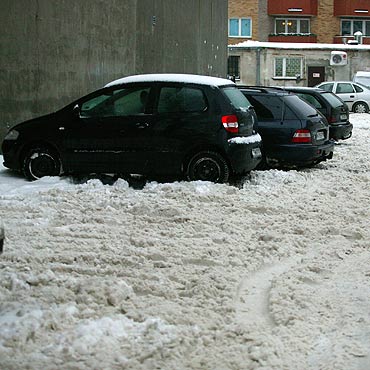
<point x="300" y="154"/>
<point x="245" y="153"/>
<point x="341" y="132"/>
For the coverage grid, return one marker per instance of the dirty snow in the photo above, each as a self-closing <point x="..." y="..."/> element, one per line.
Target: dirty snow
<point x="271" y="274"/>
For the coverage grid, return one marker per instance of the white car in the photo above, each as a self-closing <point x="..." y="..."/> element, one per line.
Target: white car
<point x="355" y="95"/>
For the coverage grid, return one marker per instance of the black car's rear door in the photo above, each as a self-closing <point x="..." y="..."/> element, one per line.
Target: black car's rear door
<point x="181" y="119"/>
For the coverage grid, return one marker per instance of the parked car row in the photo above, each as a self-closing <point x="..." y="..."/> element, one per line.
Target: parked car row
<point x="293" y="132"/>
<point x="197" y="127"/>
<point x="355" y="95"/>
<point x="194" y="127"/>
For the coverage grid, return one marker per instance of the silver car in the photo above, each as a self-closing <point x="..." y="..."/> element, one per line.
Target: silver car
<point x="355" y="95"/>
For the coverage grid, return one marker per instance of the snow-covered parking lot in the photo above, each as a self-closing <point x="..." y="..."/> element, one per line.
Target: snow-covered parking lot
<point x="274" y="274"/>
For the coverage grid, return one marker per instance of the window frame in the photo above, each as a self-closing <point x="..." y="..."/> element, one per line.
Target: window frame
<point x="352" y="23"/>
<point x="284" y="76"/>
<point x="239" y="35"/>
<point x="286" y="19"/>
<point x="233" y="65"/>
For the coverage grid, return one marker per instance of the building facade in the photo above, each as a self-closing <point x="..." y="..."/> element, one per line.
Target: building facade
<point x="311" y="21"/>
<point x="55" y="51"/>
<point x="298" y="41"/>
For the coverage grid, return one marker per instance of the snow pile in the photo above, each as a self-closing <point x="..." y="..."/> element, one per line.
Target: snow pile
<point x="272" y="274"/>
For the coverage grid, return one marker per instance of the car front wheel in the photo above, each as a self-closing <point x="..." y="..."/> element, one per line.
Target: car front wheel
<point x="208" y="166"/>
<point x="360" y="108"/>
<point x="40" y="162"/>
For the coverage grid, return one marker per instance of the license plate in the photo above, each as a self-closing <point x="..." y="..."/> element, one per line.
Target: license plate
<point x="320" y="136"/>
<point x="343" y="117"/>
<point x="256" y="153"/>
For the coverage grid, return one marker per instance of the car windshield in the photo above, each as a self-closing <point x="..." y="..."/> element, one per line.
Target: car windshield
<point x="237" y="98"/>
<point x="332" y="99"/>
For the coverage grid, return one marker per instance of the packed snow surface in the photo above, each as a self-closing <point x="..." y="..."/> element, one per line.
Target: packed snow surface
<point x="271" y="274"/>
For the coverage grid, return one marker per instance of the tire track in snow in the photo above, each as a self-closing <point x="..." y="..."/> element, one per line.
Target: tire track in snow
<point x="252" y="298"/>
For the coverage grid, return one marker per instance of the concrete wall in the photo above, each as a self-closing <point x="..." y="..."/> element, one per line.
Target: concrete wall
<point x="357" y="59"/>
<point x="53" y="51"/>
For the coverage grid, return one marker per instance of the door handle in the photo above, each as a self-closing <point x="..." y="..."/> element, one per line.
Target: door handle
<point x="351" y="96"/>
<point x="142" y="125"/>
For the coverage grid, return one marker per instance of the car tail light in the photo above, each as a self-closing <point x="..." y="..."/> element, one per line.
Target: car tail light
<point x="230" y="123"/>
<point x="302" y="136"/>
<point x="332" y="119"/>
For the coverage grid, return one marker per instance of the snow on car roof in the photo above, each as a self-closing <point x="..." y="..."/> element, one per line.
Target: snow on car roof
<point x="173" y="77"/>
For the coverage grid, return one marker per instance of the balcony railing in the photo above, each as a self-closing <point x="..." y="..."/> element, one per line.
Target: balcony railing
<point x="292" y="7"/>
<point x="349" y="39"/>
<point x="359" y="8"/>
<point x="293" y="37"/>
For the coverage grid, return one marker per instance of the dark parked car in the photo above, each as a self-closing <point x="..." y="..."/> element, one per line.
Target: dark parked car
<point x="293" y="132"/>
<point x="197" y="127"/>
<point x="331" y="106"/>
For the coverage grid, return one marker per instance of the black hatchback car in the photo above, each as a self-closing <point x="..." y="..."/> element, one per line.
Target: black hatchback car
<point x="198" y="127"/>
<point x="331" y="106"/>
<point x="293" y="132"/>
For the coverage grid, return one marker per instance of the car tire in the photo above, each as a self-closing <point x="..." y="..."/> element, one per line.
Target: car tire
<point x="208" y="166"/>
<point x="40" y="162"/>
<point x="360" y="107"/>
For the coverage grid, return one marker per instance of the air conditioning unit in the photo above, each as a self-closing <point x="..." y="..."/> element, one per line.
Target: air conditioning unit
<point x="338" y="58"/>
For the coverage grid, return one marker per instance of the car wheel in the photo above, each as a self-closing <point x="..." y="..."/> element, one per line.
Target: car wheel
<point x="40" y="162"/>
<point x="360" y="108"/>
<point x="208" y="166"/>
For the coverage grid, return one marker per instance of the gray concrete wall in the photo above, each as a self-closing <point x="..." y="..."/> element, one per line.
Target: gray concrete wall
<point x="53" y="51"/>
<point x="182" y="36"/>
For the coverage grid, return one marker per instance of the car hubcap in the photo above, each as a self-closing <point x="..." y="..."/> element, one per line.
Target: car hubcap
<point x="207" y="169"/>
<point x="360" y="109"/>
<point x="41" y="164"/>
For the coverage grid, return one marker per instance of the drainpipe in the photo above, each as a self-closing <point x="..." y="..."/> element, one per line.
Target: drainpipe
<point x="258" y="66"/>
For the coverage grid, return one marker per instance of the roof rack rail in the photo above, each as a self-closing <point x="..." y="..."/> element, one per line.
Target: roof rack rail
<point x="260" y="88"/>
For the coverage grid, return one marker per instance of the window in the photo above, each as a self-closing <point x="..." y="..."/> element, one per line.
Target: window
<point x="237" y="98"/>
<point x="181" y="99"/>
<point x="310" y="99"/>
<point x="292" y="25"/>
<point x="288" y="67"/>
<point x="270" y="108"/>
<point x="351" y="26"/>
<point x="240" y="27"/>
<point x="121" y="102"/>
<point x="327" y="87"/>
<point x="344" y="88"/>
<point x="233" y="66"/>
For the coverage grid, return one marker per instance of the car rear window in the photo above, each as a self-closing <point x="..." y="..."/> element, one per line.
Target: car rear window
<point x="269" y="107"/>
<point x="332" y="99"/>
<point x="301" y="108"/>
<point x="310" y="99"/>
<point x="236" y="97"/>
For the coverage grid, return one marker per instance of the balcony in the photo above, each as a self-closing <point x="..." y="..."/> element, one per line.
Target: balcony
<point x="348" y="39"/>
<point x="292" y="8"/>
<point x="350" y="8"/>
<point x="294" y="38"/>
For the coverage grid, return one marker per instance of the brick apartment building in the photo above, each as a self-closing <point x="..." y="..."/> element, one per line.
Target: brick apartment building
<point x="317" y="21"/>
<point x="291" y="38"/>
